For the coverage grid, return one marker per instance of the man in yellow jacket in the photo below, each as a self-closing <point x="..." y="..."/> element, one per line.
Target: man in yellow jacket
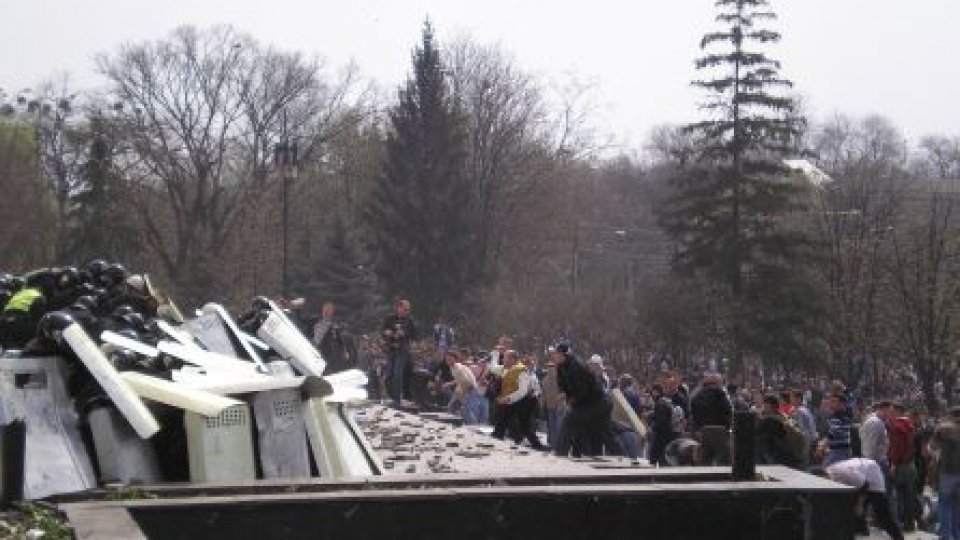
<point x="514" y="399"/>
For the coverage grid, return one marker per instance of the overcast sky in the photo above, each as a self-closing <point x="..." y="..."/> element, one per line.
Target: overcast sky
<point x="892" y="57"/>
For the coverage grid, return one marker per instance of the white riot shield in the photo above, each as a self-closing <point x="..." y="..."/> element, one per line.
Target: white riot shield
<point x="280" y="429"/>
<point x="56" y="461"/>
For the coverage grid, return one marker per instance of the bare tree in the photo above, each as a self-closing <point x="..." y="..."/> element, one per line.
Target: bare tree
<point x="851" y="220"/>
<point x="924" y="270"/>
<point x="940" y="156"/>
<point x="202" y="110"/>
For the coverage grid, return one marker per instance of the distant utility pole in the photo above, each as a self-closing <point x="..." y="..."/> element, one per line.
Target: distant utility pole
<point x="285" y="161"/>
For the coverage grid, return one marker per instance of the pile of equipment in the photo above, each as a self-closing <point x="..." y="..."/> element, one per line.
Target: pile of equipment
<point x="115" y="385"/>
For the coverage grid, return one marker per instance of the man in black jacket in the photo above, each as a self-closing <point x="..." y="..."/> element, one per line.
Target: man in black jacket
<point x="662" y="426"/>
<point x="773" y="447"/>
<point x="398" y="332"/>
<point x="586" y="427"/>
<point x="710" y="416"/>
<point x="333" y="341"/>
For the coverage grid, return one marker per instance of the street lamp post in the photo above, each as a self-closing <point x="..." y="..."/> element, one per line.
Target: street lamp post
<point x="285" y="160"/>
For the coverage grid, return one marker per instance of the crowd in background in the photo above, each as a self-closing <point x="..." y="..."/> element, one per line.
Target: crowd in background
<point x="889" y="449"/>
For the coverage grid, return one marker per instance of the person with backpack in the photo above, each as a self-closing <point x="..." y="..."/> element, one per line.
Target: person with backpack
<point x="779" y="440"/>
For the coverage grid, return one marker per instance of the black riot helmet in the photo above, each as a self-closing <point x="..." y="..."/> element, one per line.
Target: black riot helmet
<point x="114" y="274"/>
<point x="96" y="268"/>
<point x="86" y="289"/>
<point x="53" y="324"/>
<point x="260" y="303"/>
<point x="121" y="311"/>
<point x="87" y="301"/>
<point x="68" y="277"/>
<point x="124" y="360"/>
<point x="134" y="320"/>
<point x="17" y="283"/>
<point x="44" y="279"/>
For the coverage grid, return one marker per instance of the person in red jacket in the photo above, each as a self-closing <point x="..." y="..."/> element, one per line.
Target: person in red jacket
<point x="901" y="431"/>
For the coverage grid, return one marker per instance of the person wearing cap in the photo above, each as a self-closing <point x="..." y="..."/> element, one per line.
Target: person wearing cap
<point x="595" y="365"/>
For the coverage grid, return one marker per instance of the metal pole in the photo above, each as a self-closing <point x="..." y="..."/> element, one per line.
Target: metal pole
<point x="284" y="171"/>
<point x="286" y="226"/>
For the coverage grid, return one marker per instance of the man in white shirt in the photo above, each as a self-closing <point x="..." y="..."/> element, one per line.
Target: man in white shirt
<point x="466" y="391"/>
<point x="875" y="444"/>
<point x="865" y="475"/>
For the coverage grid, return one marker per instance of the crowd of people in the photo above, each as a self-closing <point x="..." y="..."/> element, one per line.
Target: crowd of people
<point x="888" y="450"/>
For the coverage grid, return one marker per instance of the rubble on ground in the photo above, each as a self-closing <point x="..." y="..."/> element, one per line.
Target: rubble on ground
<point x="415" y="444"/>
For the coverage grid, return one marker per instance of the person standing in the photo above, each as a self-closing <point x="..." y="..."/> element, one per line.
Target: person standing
<point x="595" y="365"/>
<point x="552" y="401"/>
<point x="839" y="427"/>
<point x="398" y="332"/>
<point x="587" y="421"/>
<point x="443" y="337"/>
<point x="711" y="414"/>
<point x="513" y="402"/>
<point x="804" y="418"/>
<point x="944" y="446"/>
<point x="875" y="444"/>
<point x="773" y="446"/>
<point x="902" y="469"/>
<point x="333" y="341"/>
<point x="662" y="425"/>
<point x="529" y="405"/>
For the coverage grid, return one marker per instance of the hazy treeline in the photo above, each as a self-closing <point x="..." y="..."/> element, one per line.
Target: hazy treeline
<point x="171" y="167"/>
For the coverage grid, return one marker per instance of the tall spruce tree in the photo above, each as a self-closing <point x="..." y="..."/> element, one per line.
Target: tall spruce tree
<point x="98" y="225"/>
<point x="424" y="231"/>
<point x="728" y="210"/>
<point x="340" y="275"/>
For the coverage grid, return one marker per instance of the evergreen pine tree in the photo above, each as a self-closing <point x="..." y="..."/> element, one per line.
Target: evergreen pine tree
<point x="97" y="224"/>
<point x="728" y="212"/>
<point x="423" y="228"/>
<point x="339" y="275"/>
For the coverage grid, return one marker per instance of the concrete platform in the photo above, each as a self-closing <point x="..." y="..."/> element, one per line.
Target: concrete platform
<point x="480" y="488"/>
